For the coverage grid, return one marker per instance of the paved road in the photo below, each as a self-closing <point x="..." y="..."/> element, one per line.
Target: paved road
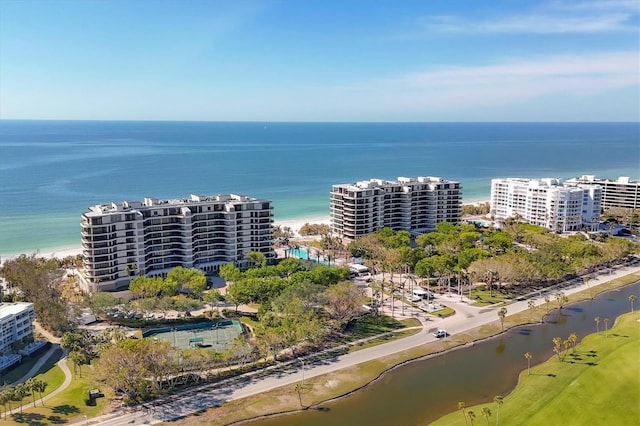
<point x="253" y="383"/>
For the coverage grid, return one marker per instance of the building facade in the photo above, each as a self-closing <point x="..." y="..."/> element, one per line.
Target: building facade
<point x="624" y="192"/>
<point x="550" y="203"/>
<point x="123" y="240"/>
<point x="16" y="323"/>
<point x="412" y="204"/>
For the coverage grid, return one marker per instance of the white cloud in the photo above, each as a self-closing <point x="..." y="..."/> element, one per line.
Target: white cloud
<point x="509" y="83"/>
<point x="533" y="24"/>
<point x="548" y="18"/>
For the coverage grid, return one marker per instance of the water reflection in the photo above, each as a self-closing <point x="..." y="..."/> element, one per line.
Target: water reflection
<point x="422" y="391"/>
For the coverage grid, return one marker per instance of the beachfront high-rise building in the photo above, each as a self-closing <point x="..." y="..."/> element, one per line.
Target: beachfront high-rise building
<point x="624" y="192"/>
<point x="16" y="323"/>
<point x="551" y="203"/>
<point x="412" y="204"/>
<point x="123" y="240"/>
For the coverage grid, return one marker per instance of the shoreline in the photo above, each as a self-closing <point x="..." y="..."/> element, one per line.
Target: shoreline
<point x="294" y="223"/>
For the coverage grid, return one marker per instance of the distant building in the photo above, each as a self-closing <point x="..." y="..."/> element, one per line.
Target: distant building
<point x="411" y="204"/>
<point x="550" y="203"/>
<point x="624" y="192"/>
<point x="16" y="323"/>
<point x="123" y="240"/>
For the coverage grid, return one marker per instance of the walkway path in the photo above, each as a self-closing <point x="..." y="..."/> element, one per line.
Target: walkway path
<point x="62" y="363"/>
<point x="203" y="397"/>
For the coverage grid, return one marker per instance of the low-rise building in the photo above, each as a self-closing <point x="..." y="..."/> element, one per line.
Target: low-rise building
<point x="16" y="324"/>
<point x="411" y="204"/>
<point x="550" y="203"/>
<point x="123" y="240"/>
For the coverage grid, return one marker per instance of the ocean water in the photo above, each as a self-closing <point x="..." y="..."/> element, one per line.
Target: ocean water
<point x="51" y="171"/>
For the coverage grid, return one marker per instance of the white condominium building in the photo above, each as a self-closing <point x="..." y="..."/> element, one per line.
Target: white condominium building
<point x="623" y="192"/>
<point x="557" y="206"/>
<point x="412" y="204"/>
<point x="16" y="323"/>
<point x="123" y="240"/>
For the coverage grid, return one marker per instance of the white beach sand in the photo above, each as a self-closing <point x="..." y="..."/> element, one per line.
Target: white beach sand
<point x="294" y="224"/>
<point x="62" y="252"/>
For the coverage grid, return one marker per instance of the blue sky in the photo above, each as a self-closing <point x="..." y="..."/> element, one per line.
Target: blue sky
<point x="374" y="60"/>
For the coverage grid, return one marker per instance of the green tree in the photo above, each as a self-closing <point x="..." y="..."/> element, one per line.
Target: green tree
<point x="257" y="259"/>
<point x="499" y="401"/>
<point x="472" y="416"/>
<point x="39" y="386"/>
<point x="462" y="407"/>
<point x="561" y="299"/>
<point x="238" y="293"/>
<point x="557" y="346"/>
<point x="19" y="392"/>
<point x="527" y="355"/>
<point x="632" y="299"/>
<point x="30" y="386"/>
<point x="597" y="320"/>
<point x="345" y="302"/>
<point x="486" y="413"/>
<point x="230" y="272"/>
<point x="188" y="280"/>
<point x="606" y="327"/>
<point x="502" y="313"/>
<point x="573" y="338"/>
<point x="532" y="307"/>
<point x="5" y="398"/>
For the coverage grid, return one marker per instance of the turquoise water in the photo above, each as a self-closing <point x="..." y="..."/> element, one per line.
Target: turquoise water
<point x="51" y="171"/>
<point x="300" y="253"/>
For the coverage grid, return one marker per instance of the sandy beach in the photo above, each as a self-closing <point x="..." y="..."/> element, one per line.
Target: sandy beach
<point x="294" y="224"/>
<point x="62" y="252"/>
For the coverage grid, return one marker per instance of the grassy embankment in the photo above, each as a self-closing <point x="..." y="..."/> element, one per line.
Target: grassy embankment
<point x="66" y="407"/>
<point x="599" y="384"/>
<point x="322" y="388"/>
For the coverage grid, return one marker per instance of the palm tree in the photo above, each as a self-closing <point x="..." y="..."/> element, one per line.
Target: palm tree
<point x="502" y="313"/>
<point x="472" y="416"/>
<point x="20" y="391"/>
<point x="461" y="407"/>
<point x="4" y="399"/>
<point x="499" y="401"/>
<point x="632" y="299"/>
<point x="40" y="387"/>
<point x="597" y="319"/>
<point x="30" y="385"/>
<point x="486" y="413"/>
<point x="557" y="346"/>
<point x="527" y="355"/>
<point x="547" y="299"/>
<point x="532" y="306"/>
<point x="573" y="338"/>
<point x="606" y="327"/>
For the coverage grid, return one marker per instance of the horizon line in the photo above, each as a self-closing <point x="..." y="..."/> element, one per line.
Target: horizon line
<point x="314" y="122"/>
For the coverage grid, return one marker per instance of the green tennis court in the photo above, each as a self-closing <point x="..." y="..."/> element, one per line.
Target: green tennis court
<point x="211" y="335"/>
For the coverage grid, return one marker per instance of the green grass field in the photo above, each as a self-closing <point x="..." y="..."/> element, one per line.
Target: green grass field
<point x="66" y="407"/>
<point x="598" y="385"/>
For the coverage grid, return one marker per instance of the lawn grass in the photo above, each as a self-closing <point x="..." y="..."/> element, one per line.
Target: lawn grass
<point x="598" y="385"/>
<point x="66" y="407"/>
<point x="481" y="296"/>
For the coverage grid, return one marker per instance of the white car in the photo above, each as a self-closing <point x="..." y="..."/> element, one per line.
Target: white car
<point x="440" y="333"/>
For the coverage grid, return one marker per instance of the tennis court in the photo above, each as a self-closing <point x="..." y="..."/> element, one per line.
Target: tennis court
<point x="216" y="335"/>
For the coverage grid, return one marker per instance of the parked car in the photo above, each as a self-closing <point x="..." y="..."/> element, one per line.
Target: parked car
<point x="440" y="333"/>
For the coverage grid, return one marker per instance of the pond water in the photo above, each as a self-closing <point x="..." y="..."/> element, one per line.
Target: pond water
<point x="422" y="391"/>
